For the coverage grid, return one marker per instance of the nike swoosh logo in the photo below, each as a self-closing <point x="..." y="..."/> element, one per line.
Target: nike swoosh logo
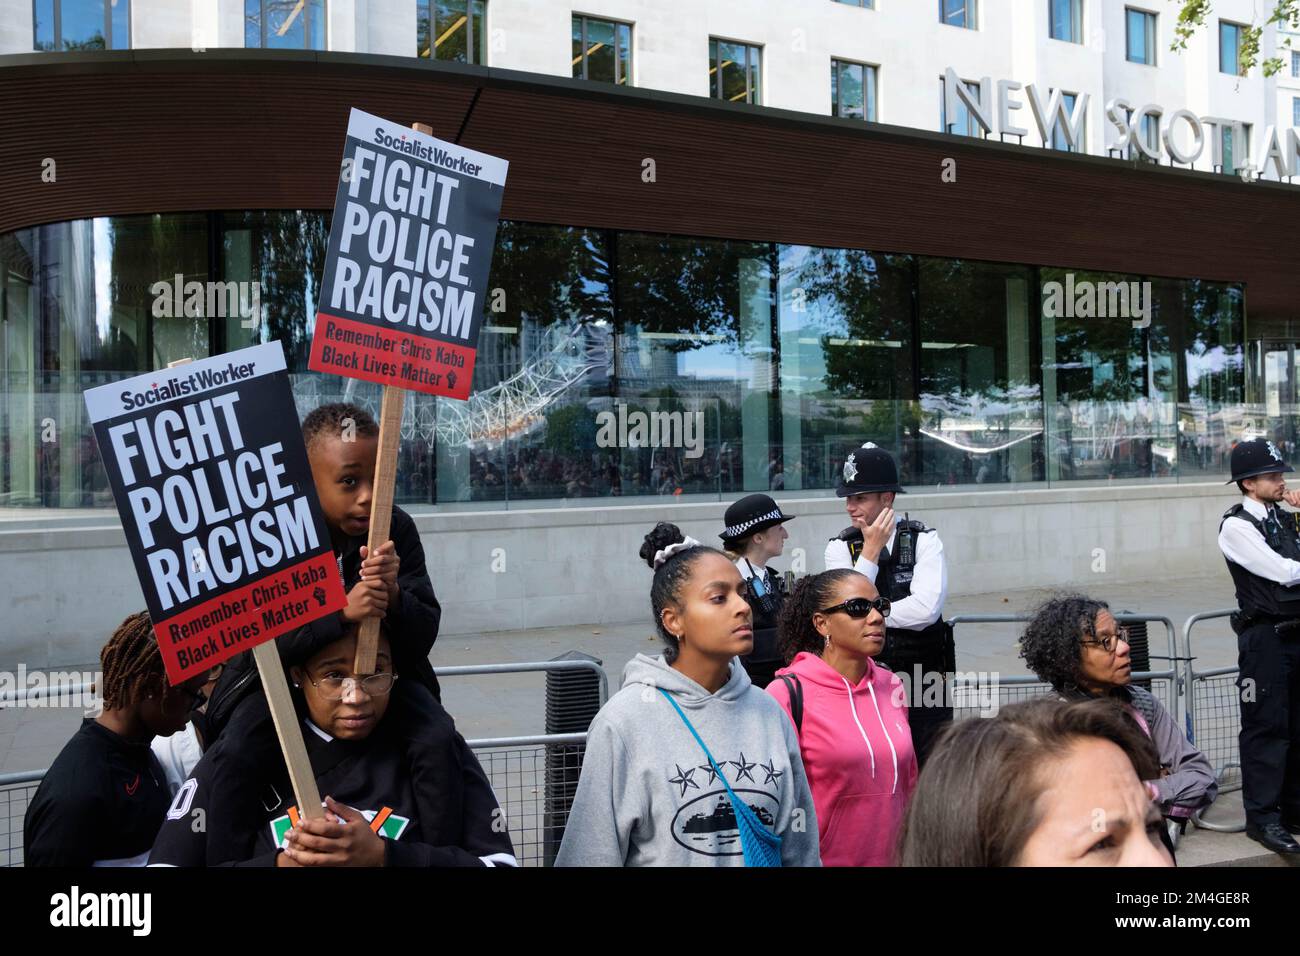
<point x="131" y="788"/>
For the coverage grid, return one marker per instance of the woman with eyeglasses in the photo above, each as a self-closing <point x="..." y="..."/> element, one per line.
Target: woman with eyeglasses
<point x="399" y="789"/>
<point x="104" y="797"/>
<point x="850" y="714"/>
<point x="1075" y="644"/>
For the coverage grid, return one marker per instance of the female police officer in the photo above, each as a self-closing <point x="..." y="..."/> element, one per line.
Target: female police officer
<point x="753" y="534"/>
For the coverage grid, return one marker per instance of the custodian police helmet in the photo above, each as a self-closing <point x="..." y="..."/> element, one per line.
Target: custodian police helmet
<point x="869" y="468"/>
<point x="1259" y="456"/>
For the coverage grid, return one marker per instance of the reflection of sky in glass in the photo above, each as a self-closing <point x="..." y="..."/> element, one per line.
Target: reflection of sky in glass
<point x="1212" y="362"/>
<point x="103" y="256"/>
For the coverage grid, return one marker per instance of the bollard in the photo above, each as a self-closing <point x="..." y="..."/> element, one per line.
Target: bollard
<point x="572" y="699"/>
<point x="1139" y="649"/>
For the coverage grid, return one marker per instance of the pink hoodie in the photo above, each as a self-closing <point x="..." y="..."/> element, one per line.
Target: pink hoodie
<point x="857" y="752"/>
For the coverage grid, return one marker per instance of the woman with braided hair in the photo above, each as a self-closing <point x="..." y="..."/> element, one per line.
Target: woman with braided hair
<point x="104" y="797"/>
<point x="690" y="764"/>
<point x="850" y="714"/>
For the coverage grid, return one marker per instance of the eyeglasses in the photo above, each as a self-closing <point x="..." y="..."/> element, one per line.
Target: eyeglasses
<point x="336" y="688"/>
<point x="1107" y="642"/>
<point x="860" y="607"/>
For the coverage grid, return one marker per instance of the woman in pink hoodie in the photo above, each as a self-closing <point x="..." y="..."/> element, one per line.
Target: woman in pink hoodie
<point x="850" y="714"/>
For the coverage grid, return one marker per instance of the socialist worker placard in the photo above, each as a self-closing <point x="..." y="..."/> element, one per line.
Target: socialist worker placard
<point x="406" y="271"/>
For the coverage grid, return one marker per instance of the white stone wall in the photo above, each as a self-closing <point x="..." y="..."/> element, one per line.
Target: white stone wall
<point x="68" y="579"/>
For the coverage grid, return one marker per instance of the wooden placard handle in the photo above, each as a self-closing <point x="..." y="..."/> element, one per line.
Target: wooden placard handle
<point x="289" y="730"/>
<point x="381" y="510"/>
<point x="381" y="501"/>
<point x="285" y="717"/>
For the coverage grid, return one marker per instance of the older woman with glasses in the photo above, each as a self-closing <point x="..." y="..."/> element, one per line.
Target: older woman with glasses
<point x="400" y="786"/>
<point x="850" y="714"/>
<point x="1075" y="644"/>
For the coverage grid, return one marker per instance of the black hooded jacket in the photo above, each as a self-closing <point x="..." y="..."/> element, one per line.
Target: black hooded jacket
<point x="415" y="772"/>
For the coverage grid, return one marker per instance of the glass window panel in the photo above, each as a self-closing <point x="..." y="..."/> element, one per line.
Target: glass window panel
<point x="1207" y="321"/>
<point x="1295" y="64"/>
<point x="286" y="24"/>
<point x="980" y="414"/>
<point x="44" y="25"/>
<point x="478" y="30"/>
<point x="600" y="53"/>
<point x="957" y="13"/>
<point x="731" y="69"/>
<point x="120" y="13"/>
<point x="1295" y="111"/>
<point x="755" y="74"/>
<point x="316" y="24"/>
<point x="846" y="360"/>
<point x="695" y="321"/>
<point x="1141" y="29"/>
<point x="849" y="92"/>
<point x="624" y="54"/>
<point x="577" y="49"/>
<point x="1067" y="20"/>
<point x="252" y="24"/>
<point x="1229" y="48"/>
<point x="82" y="24"/>
<point x="451" y="26"/>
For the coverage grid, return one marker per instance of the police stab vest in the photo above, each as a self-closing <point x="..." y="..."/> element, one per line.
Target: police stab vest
<point x="932" y="647"/>
<point x="1259" y="597"/>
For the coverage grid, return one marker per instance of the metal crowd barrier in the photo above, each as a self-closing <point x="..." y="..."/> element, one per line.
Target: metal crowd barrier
<point x="972" y="698"/>
<point x="1214" y="719"/>
<point x="531" y="775"/>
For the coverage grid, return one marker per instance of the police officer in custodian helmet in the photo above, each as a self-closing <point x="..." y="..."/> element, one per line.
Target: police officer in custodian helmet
<point x="1261" y="543"/>
<point x="904" y="559"/>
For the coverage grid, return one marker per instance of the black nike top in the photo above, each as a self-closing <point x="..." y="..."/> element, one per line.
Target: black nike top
<point x="101" y="803"/>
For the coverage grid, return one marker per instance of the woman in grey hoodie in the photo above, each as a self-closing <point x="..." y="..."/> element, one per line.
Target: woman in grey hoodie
<point x="648" y="794"/>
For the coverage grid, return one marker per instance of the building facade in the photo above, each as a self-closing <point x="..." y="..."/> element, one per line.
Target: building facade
<point x="704" y="284"/>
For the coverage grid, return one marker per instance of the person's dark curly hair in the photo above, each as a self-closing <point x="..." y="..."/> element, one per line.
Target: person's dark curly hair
<point x="795" y="631"/>
<point x="670" y="576"/>
<point x="329" y="421"/>
<point x="1050" y="642"/>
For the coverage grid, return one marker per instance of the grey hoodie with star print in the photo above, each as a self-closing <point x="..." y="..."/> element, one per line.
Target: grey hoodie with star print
<point x="649" y="796"/>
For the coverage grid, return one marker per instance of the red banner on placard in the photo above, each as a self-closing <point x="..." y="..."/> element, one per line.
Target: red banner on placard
<point x="209" y="633"/>
<point x="391" y="357"/>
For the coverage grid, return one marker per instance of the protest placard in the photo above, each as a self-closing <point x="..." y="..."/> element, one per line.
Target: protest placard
<point x="406" y="270"/>
<point x="211" y="479"/>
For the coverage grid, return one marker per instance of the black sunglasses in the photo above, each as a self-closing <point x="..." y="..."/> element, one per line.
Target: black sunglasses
<point x="860" y="607"/>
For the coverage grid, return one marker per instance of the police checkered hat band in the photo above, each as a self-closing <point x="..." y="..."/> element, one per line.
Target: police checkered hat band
<point x="738" y="530"/>
<point x="751" y="515"/>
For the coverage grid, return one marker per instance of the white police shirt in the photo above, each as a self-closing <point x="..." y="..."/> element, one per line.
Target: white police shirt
<point x="1241" y="543"/>
<point x="924" y="605"/>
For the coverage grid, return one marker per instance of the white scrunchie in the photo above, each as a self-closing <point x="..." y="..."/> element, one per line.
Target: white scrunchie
<point x="668" y="552"/>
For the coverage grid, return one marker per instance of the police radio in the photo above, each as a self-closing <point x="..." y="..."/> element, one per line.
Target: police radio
<point x="906" y="545"/>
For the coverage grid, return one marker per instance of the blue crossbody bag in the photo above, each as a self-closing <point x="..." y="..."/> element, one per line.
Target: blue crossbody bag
<point x="760" y="845"/>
